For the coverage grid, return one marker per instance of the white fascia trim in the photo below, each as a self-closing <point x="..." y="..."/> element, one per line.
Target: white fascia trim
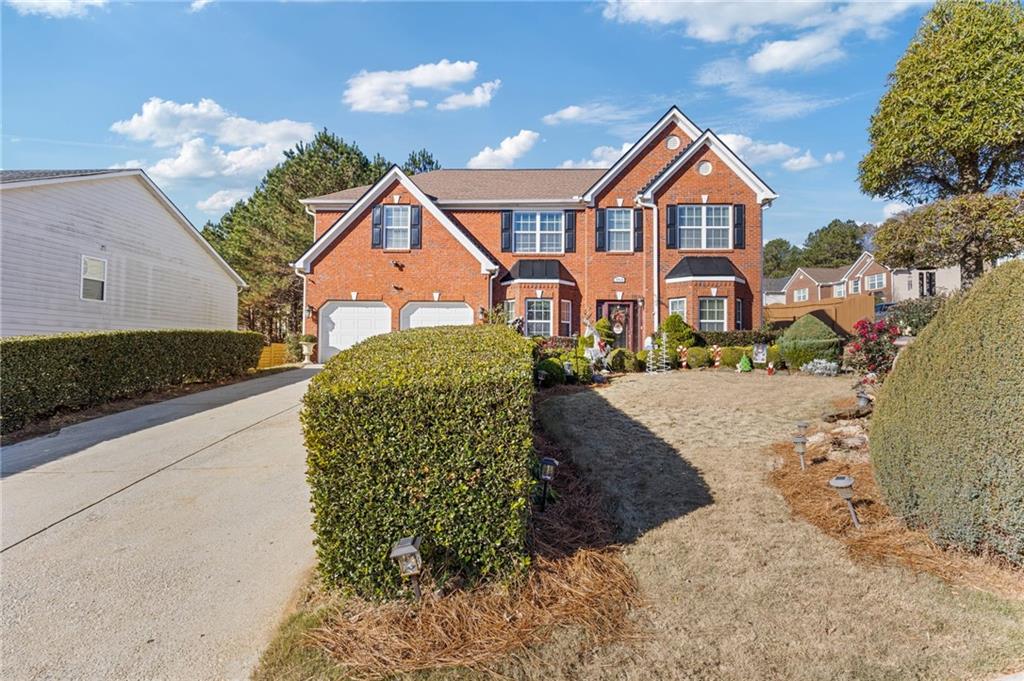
<point x="470" y="204"/>
<point x="674" y="115"/>
<point x="680" y="280"/>
<point x="725" y="154"/>
<point x="395" y="174"/>
<point x="157" y="192"/>
<point x="850" y="272"/>
<point x="538" y="281"/>
<point x="799" y="270"/>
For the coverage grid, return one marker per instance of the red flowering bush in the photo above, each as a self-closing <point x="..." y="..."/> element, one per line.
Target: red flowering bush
<point x="873" y="349"/>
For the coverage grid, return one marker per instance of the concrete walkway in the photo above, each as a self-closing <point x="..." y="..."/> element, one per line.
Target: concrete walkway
<point x="159" y="543"/>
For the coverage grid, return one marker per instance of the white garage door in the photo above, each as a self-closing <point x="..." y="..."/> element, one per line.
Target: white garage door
<point x="343" y="324"/>
<point x="415" y="315"/>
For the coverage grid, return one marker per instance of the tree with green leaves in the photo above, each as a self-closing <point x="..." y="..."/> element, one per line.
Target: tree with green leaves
<point x="261" y="236"/>
<point x="967" y="230"/>
<point x="952" y="120"/>
<point x="420" y="161"/>
<point x="781" y="258"/>
<point x="838" y="243"/>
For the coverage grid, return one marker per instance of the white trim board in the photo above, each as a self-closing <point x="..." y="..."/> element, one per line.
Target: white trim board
<point x="680" y="280"/>
<point x="305" y="262"/>
<point x="537" y="281"/>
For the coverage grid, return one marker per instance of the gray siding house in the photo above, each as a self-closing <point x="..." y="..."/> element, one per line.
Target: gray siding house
<point x="85" y="250"/>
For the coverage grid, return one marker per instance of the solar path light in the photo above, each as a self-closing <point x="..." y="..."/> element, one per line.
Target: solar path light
<point x="862" y="399"/>
<point x="843" y="485"/>
<point x="802" y="426"/>
<point x="800" y="447"/>
<point x="547" y="474"/>
<point x="406" y="554"/>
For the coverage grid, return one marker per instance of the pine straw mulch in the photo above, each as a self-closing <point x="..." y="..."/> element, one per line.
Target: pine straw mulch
<point x="883" y="538"/>
<point x="577" y="579"/>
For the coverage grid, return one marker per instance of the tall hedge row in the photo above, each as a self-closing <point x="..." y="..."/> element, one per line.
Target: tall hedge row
<point x="424" y="432"/>
<point x="947" y="437"/>
<point x="40" y="375"/>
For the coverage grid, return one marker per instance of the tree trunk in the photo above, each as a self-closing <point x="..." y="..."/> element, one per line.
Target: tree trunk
<point x="972" y="266"/>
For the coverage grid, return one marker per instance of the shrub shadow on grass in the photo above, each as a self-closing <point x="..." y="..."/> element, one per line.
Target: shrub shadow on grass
<point x="641" y="480"/>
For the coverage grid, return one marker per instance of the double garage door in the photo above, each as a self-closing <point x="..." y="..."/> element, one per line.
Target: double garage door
<point x="345" y="323"/>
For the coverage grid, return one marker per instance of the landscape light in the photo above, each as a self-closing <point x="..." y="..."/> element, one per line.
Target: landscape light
<point x="547" y="474"/>
<point x="843" y="485"/>
<point x="802" y="426"/>
<point x="406" y="554"/>
<point x="862" y="399"/>
<point x="800" y="447"/>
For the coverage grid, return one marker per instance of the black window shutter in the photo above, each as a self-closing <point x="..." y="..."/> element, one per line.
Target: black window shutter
<point x="506" y="231"/>
<point x="638" y="229"/>
<point x="671" y="233"/>
<point x="377" y="232"/>
<point x="600" y="242"/>
<point x="570" y="231"/>
<point x="739" y="226"/>
<point x="415" y="229"/>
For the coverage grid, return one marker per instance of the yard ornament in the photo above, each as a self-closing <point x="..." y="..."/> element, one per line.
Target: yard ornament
<point x="744" y="366"/>
<point x="599" y="349"/>
<point x="716" y="354"/>
<point x="771" y="368"/>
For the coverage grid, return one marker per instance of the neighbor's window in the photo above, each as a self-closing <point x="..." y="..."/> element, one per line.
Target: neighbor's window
<point x="620" y="229"/>
<point x="565" y="317"/>
<point x="875" y="282"/>
<point x="800" y="295"/>
<point x="839" y="290"/>
<point x="703" y="227"/>
<point x="855" y="286"/>
<point x="537" y="232"/>
<point x="94" y="278"/>
<point x="510" y="310"/>
<point x="396" y="226"/>
<point x="677" y="306"/>
<point x="712" y="314"/>
<point x="538" y="317"/>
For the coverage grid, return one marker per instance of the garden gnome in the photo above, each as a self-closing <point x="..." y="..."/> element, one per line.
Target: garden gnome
<point x="771" y="368"/>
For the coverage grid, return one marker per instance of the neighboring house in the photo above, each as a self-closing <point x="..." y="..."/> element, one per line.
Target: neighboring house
<point x="815" y="284"/>
<point x="672" y="226"/>
<point x="773" y="290"/>
<point x="924" y="282"/>
<point x="83" y="250"/>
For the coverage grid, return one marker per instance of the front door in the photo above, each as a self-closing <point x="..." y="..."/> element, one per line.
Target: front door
<point x="622" y="316"/>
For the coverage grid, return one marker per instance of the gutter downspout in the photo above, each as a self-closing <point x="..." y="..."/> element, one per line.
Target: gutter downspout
<point x="656" y="276"/>
<point x="490" y="289"/>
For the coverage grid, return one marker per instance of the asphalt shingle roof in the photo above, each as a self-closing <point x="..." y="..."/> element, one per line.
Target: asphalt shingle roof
<point x="704" y="266"/>
<point x="774" y="284"/>
<point x="7" y="176"/>
<point x="826" y="275"/>
<point x="544" y="270"/>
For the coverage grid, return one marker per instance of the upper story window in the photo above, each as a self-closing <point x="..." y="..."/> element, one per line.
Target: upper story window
<point x="538" y="232"/>
<point x="800" y="295"/>
<point x="94" y="278"/>
<point x="396" y="226"/>
<point x="875" y="281"/>
<point x="620" y="229"/>
<point x="704" y="227"/>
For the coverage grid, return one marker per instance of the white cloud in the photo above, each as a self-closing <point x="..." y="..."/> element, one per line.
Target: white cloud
<point x="600" y="157"/>
<point x="892" y="208"/>
<point x="388" y="91"/>
<point x="596" y="113"/>
<point x="804" y="162"/>
<point x="198" y="5"/>
<point x="834" y="157"/>
<point x="753" y="151"/>
<point x="210" y="141"/>
<point x="510" y="149"/>
<point x="765" y="103"/>
<point x="222" y="200"/>
<point x="720" y="22"/>
<point x="480" y="96"/>
<point x="55" y="9"/>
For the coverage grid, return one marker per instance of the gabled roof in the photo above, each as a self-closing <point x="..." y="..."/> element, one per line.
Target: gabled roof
<point x="537" y="271"/>
<point x="705" y="268"/>
<point x="774" y="284"/>
<point x="713" y="142"/>
<point x="19" y="179"/>
<point x="395" y="174"/>
<point x="820" y="275"/>
<point x="850" y="270"/>
<point x="673" y="115"/>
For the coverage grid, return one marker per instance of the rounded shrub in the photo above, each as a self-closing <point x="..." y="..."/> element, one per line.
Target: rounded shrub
<point x="582" y="371"/>
<point x="677" y="333"/>
<point x="731" y="356"/>
<point x="641" y="359"/>
<point x="621" y="359"/>
<point x="808" y="339"/>
<point x="550" y="372"/>
<point x="697" y="357"/>
<point x="947" y="438"/>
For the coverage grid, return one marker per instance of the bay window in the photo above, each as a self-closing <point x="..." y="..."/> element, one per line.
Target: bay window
<point x="620" y="229"/>
<point x="712" y="313"/>
<point x="538" y="317"/>
<point x="537" y="232"/>
<point x="565" y="318"/>
<point x="677" y="306"/>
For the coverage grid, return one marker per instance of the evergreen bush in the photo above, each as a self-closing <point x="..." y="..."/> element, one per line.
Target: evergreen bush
<point x="697" y="357"/>
<point x="808" y="339"/>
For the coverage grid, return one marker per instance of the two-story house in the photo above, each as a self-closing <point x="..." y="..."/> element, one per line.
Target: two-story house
<point x="865" y="275"/>
<point x="674" y="226"/>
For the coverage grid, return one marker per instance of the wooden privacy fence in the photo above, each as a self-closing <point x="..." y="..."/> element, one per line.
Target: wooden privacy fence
<point x="273" y="355"/>
<point x="839" y="313"/>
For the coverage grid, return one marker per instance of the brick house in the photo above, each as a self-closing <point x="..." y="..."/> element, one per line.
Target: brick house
<point x="673" y="226"/>
<point x="865" y="275"/>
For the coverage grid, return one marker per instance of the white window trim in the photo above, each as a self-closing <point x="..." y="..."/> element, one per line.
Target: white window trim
<point x="526" y="317"/>
<point x="797" y="298"/>
<point x="537" y="232"/>
<point x="855" y="286"/>
<point x="867" y="282"/>
<point x="564" y="318"/>
<point x="725" y="311"/>
<point x="738" y="313"/>
<point x="510" y="314"/>
<point x="839" y="290"/>
<point x="673" y="300"/>
<point x="704" y="227"/>
<point x="407" y="209"/>
<point x="82" y="278"/>
<point x="608" y="231"/>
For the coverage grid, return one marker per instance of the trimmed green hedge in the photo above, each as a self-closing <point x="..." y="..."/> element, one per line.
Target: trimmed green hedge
<point x="947" y="437"/>
<point x="423" y="432"/>
<point x="41" y="375"/>
<point x="807" y="339"/>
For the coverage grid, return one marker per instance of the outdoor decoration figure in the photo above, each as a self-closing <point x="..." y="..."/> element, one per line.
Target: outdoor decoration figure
<point x="771" y="368"/>
<point x="595" y="353"/>
<point x="716" y="354"/>
<point x="744" y="366"/>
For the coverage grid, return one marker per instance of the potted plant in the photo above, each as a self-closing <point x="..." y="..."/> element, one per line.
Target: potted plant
<point x="307" y="341"/>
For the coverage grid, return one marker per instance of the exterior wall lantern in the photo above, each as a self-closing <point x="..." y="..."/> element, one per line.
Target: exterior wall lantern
<point x="406" y="554"/>
<point x="547" y="474"/>
<point x="843" y="485"/>
<point x="800" y="447"/>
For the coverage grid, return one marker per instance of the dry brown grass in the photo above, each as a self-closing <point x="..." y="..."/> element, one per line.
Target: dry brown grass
<point x="883" y="538"/>
<point x="577" y="579"/>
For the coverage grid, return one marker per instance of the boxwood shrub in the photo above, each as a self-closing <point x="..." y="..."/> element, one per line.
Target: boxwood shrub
<point x="807" y="339"/>
<point x="41" y="375"/>
<point x="697" y="357"/>
<point x="947" y="437"/>
<point x="423" y="432"/>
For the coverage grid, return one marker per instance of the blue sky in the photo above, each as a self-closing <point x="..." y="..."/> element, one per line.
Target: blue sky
<point x="206" y="95"/>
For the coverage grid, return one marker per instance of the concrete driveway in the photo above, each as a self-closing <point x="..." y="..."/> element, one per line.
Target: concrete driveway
<point x="163" y="542"/>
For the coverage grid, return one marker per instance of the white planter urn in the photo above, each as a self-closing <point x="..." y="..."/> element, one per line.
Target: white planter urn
<point x="307" y="352"/>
